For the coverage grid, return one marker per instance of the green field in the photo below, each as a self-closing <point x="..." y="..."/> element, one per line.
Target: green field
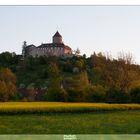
<point x="69" y="118"/>
<point x="122" y="122"/>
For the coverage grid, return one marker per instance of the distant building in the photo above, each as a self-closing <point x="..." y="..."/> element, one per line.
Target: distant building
<point x="56" y="48"/>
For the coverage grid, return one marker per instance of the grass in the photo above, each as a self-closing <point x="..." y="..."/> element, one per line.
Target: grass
<point x="120" y="122"/>
<point x="69" y="118"/>
<point x="57" y="107"/>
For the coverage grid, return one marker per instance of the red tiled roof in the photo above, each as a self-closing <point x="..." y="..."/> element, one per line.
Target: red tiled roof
<point x="57" y="34"/>
<point x="51" y="45"/>
<point x="67" y="47"/>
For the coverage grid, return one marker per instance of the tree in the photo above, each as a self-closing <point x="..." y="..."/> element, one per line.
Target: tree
<point x="115" y="95"/>
<point x="56" y="94"/>
<point x="75" y="95"/>
<point x="23" y="49"/>
<point x="84" y="82"/>
<point x="96" y="93"/>
<point x="7" y="90"/>
<point x="135" y="95"/>
<point x="6" y="58"/>
<point x="31" y="92"/>
<point x="54" y="76"/>
<point x="11" y="89"/>
<point x="7" y="84"/>
<point x="79" y="64"/>
<point x="77" y="51"/>
<point x="75" y="86"/>
<point x="7" y="75"/>
<point x="53" y="70"/>
<point x="55" y="91"/>
<point x="126" y="58"/>
<point x="3" y="91"/>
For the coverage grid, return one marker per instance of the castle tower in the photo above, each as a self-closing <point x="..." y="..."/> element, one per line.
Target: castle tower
<point x="57" y="38"/>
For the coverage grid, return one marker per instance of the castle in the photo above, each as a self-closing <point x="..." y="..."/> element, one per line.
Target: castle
<point x="56" y="48"/>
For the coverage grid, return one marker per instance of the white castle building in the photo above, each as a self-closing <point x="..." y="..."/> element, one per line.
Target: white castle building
<point x="56" y="48"/>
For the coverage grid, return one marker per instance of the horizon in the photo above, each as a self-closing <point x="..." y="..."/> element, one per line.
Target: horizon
<point x="106" y="29"/>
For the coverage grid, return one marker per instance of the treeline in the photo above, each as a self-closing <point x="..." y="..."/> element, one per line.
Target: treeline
<point x="98" y="78"/>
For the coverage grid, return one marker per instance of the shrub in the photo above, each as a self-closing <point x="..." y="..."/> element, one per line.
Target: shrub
<point x="31" y="91"/>
<point x="75" y="95"/>
<point x="16" y="97"/>
<point x="115" y="95"/>
<point x="135" y="95"/>
<point x="56" y="94"/>
<point x="95" y="93"/>
<point x="24" y="99"/>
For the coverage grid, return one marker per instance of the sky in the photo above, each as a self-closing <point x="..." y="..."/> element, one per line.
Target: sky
<point x="107" y="29"/>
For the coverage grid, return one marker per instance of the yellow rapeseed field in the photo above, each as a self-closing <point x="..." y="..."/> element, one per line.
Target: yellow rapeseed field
<point x="49" y="107"/>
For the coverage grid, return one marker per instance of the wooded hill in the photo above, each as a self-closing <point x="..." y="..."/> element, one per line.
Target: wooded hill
<point x="98" y="78"/>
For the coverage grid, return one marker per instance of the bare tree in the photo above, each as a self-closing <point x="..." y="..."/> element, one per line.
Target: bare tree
<point x="127" y="58"/>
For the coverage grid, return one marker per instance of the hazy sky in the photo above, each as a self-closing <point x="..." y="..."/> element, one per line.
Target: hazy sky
<point x="90" y="28"/>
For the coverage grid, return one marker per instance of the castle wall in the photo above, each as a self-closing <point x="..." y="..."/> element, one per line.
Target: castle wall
<point x="30" y="51"/>
<point x="56" y="51"/>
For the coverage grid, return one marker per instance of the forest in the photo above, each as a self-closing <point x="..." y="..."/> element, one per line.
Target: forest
<point x="98" y="78"/>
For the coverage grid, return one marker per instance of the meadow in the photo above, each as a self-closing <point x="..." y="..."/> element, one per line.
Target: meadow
<point x="69" y="118"/>
<point x="120" y="122"/>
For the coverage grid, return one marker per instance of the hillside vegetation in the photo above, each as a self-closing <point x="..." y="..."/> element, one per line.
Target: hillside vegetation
<point x="98" y="78"/>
